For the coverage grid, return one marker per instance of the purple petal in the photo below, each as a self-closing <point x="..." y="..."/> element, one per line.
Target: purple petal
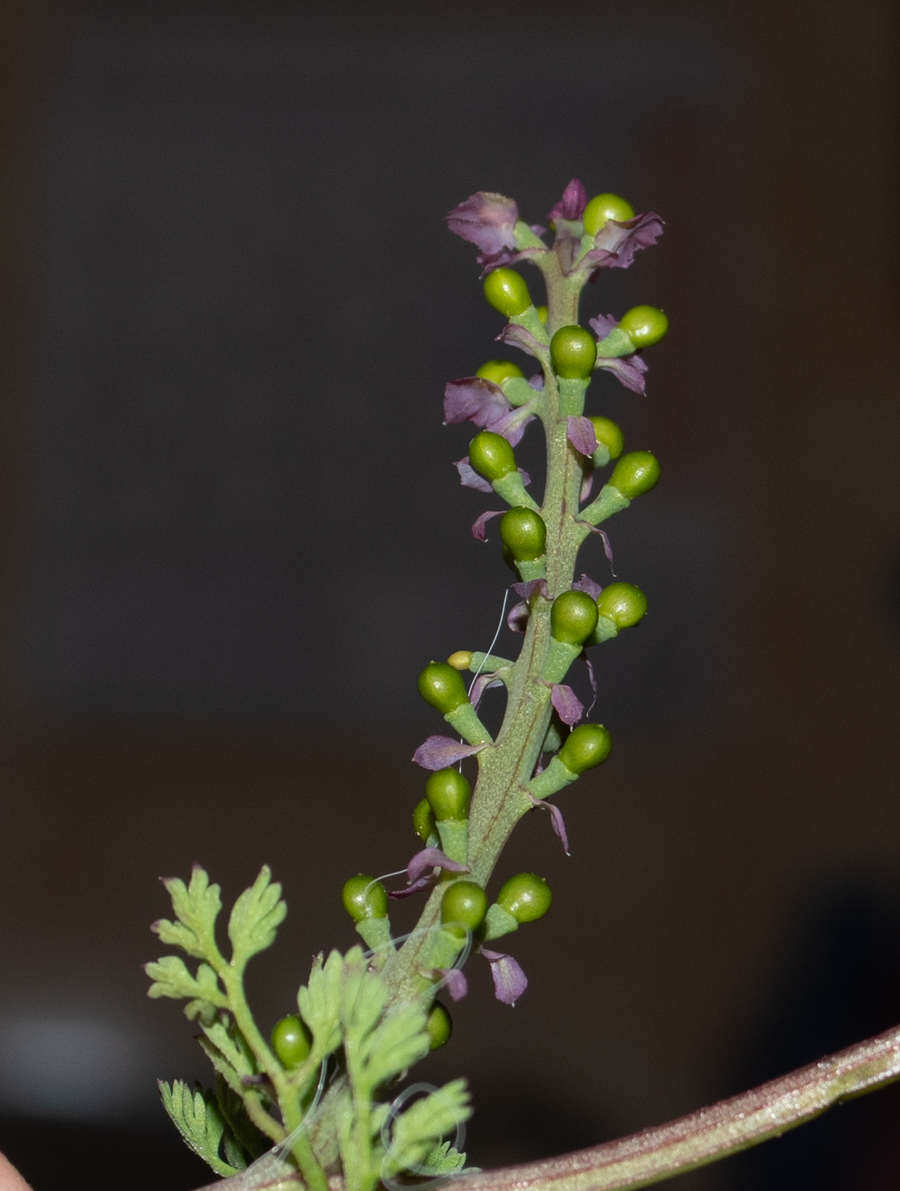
<point x="469" y="478"/>
<point x="478" y="529"/>
<point x="587" y="485"/>
<point x="432" y="858"/>
<point x="572" y="203"/>
<point x="619" y="241"/>
<point x="607" y="548"/>
<point x="438" y="752"/>
<point x="536" y="381"/>
<point x="519" y="337"/>
<point x="527" y="589"/>
<point x="603" y="325"/>
<point x="581" y="435"/>
<point x="593" y="677"/>
<point x="512" y="426"/>
<point x="486" y="219"/>
<point x="568" y="706"/>
<point x="517" y="618"/>
<point x="628" y="369"/>
<point x="474" y="399"/>
<point x="559" y="823"/>
<point x="509" y="979"/>
<point x="586" y="583"/>
<point x="416" y="887"/>
<point x="482" y="683"/>
<point x="454" y="980"/>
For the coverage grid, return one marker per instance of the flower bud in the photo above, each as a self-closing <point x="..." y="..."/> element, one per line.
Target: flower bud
<point x="441" y="686"/>
<point x="644" y="325"/>
<point x="507" y="292"/>
<point x="497" y="371"/>
<point x="439" y="1026"/>
<point x="291" y="1041"/>
<point x="363" y="897"/>
<point x="447" y="793"/>
<point x="524" y="534"/>
<point x="623" y="604"/>
<point x="465" y="904"/>
<point x="573" y="351"/>
<point x="635" y="473"/>
<point x="573" y="617"/>
<point x="491" y="456"/>
<point x="603" y="207"/>
<point x="586" y="746"/>
<point x="526" y="896"/>
<point x="461" y="660"/>
<point x="424" y="822"/>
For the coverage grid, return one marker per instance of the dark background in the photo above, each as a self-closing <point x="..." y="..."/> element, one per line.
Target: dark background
<point x="231" y="535"/>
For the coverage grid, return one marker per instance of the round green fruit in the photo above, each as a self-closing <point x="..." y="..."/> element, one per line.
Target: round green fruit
<point x="635" y="473"/>
<point x="439" y="1026"/>
<point x="363" y="897"/>
<point x="424" y="823"/>
<point x="465" y="904"/>
<point x="573" y="351"/>
<point x="644" y="325"/>
<point x="526" y="896"/>
<point x="573" y="617"/>
<point x="603" y="207"/>
<point x="442" y="687"/>
<point x="497" y="371"/>
<point x="291" y="1041"/>
<point x="507" y="292"/>
<point x="524" y="534"/>
<point x="608" y="435"/>
<point x="447" y="793"/>
<point x="623" y="604"/>
<point x="585" y="747"/>
<point x="491" y="455"/>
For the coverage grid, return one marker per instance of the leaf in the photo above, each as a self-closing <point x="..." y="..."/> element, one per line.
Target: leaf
<point x="424" y="1123"/>
<point x="443" y="1159"/>
<point x="255" y="919"/>
<point x="171" y="978"/>
<point x="320" y="1004"/>
<point x="227" y="1055"/>
<point x="199" y="1121"/>
<point x="196" y="907"/>
<point x="398" y="1041"/>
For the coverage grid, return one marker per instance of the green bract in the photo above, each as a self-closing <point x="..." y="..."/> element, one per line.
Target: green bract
<point x="526" y="896"/>
<point x="635" y="473"/>
<point x="424" y="824"/>
<point x="465" y="904"/>
<point x="439" y="1026"/>
<point x="491" y="455"/>
<point x="573" y="617"/>
<point x="442" y="687"/>
<point x="363" y="897"/>
<point x="623" y="603"/>
<point x="447" y="793"/>
<point x="644" y="325"/>
<point x="573" y="351"/>
<point x="586" y="746"/>
<point x="291" y="1041"/>
<point x="603" y="207"/>
<point x="608" y="435"/>
<point x="498" y="371"/>
<point x="524" y="534"/>
<point x="507" y="292"/>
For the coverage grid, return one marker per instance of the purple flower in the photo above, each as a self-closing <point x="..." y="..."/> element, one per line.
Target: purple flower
<point x="580" y="434"/>
<point x="473" y="399"/>
<point x="454" y="980"/>
<point x="586" y="583"/>
<point x="440" y="751"/>
<point x="489" y="221"/>
<point x="423" y="870"/>
<point x="556" y="818"/>
<point x="479" y="529"/>
<point x="629" y="369"/>
<point x="568" y="706"/>
<point x="617" y="242"/>
<point x="509" y="979"/>
<point x="572" y="204"/>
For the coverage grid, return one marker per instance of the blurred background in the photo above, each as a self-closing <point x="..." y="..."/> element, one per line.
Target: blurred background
<point x="232" y="534"/>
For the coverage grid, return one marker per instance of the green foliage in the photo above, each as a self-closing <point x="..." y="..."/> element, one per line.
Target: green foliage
<point x="196" y="907"/>
<point x="256" y="917"/>
<point x="200" y="1122"/>
<point x="416" y="1131"/>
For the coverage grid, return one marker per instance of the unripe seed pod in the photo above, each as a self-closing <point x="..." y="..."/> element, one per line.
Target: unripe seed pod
<point x="291" y="1041"/>
<point x="623" y="603"/>
<point x="608" y="435"/>
<point x="491" y="455"/>
<point x="585" y="747"/>
<point x="363" y="897"/>
<point x="526" y="896"/>
<point x="441" y="686"/>
<point x="603" y="207"/>
<point x="465" y="903"/>
<point x="573" y="351"/>
<point x="507" y="292"/>
<point x="424" y="822"/>
<point x="644" y="325"/>
<point x="447" y="793"/>
<point x="524" y="534"/>
<point x="573" y="617"/>
<point x="498" y="371"/>
<point x="439" y="1026"/>
<point x="635" y="473"/>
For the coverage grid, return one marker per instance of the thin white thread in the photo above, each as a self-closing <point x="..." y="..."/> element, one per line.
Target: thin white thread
<point x="391" y="1181"/>
<point x="493" y="643"/>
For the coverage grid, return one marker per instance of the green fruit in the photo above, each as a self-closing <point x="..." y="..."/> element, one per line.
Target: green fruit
<point x="447" y="793"/>
<point x="363" y="897"/>
<point x="623" y="603"/>
<point x="543" y="313"/>
<point x="635" y="473"/>
<point x="439" y="1026"/>
<point x="644" y="325"/>
<point x="603" y="207"/>
<point x="524" y="534"/>
<point x="424" y="823"/>
<point x="465" y="904"/>
<point x="527" y="897"/>
<point x="491" y="455"/>
<point x="608" y="435"/>
<point x="291" y="1041"/>
<point x="442" y="687"/>
<point x="498" y="371"/>
<point x="507" y="292"/>
<point x="585" y="747"/>
<point x="573" y="617"/>
<point x="573" y="351"/>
